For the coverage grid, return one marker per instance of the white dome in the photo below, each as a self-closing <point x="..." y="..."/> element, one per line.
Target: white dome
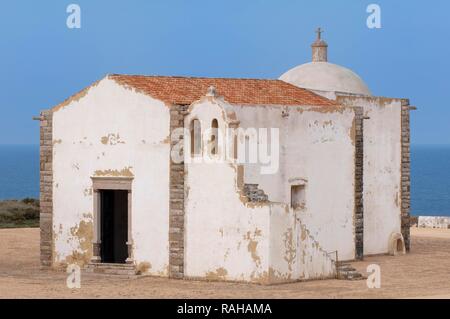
<point x="324" y="76"/>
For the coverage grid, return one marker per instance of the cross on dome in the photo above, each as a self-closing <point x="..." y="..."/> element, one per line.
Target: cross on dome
<point x="319" y="32"/>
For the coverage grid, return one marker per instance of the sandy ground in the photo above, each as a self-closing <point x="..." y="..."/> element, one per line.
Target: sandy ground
<point x="425" y="273"/>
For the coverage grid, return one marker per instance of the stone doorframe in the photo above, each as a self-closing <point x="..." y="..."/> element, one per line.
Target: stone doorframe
<point x="110" y="183"/>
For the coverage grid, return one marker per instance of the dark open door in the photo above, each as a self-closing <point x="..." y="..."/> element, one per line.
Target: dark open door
<point x="114" y="225"/>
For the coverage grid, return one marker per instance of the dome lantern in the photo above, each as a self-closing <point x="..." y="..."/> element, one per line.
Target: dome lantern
<point x="319" y="48"/>
<point x="323" y="77"/>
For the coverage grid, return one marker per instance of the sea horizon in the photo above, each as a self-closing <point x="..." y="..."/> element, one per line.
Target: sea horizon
<point x="430" y="176"/>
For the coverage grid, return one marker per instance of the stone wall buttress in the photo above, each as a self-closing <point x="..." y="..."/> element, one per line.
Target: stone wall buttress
<point x="405" y="174"/>
<point x="176" y="205"/>
<point x="46" y="188"/>
<point x="359" y="171"/>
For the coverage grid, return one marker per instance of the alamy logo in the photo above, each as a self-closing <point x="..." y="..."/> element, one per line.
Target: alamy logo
<point x="374" y="279"/>
<point x="73" y="281"/>
<point x="257" y="146"/>
<point x="74" y="19"/>
<point x="374" y="19"/>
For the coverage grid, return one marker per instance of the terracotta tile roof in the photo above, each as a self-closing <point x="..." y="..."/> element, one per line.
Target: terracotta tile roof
<point x="185" y="90"/>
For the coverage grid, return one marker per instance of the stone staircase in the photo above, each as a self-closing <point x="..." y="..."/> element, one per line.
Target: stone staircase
<point x="120" y="270"/>
<point x="345" y="271"/>
<point x="254" y="194"/>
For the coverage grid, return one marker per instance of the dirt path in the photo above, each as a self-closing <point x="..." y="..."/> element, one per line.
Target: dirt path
<point x="423" y="273"/>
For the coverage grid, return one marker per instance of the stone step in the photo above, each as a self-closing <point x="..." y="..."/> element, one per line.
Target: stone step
<point x="112" y="276"/>
<point x="350" y="275"/>
<point x="354" y="276"/>
<point x="112" y="265"/>
<point x="111" y="269"/>
<point x="347" y="272"/>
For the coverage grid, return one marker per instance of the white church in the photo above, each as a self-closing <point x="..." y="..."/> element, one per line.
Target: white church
<point x="118" y="196"/>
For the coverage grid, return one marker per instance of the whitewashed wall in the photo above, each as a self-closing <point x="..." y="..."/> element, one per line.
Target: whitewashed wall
<point x="224" y="239"/>
<point x="294" y="253"/>
<point x="382" y="170"/>
<point x="317" y="147"/>
<point x="111" y="131"/>
<point x="229" y="239"/>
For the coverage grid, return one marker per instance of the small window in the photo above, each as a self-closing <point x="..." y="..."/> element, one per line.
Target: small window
<point x="214" y="137"/>
<point x="196" y="137"/>
<point x="235" y="146"/>
<point x="298" y="196"/>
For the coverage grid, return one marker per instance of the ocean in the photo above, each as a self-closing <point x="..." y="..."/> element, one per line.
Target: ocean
<point x="430" y="180"/>
<point x="430" y="174"/>
<point x="19" y="177"/>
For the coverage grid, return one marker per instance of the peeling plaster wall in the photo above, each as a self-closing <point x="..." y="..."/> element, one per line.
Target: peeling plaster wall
<point x="111" y="131"/>
<point x="382" y="170"/>
<point x="228" y="238"/>
<point x="224" y="239"/>
<point x="317" y="149"/>
<point x="294" y="253"/>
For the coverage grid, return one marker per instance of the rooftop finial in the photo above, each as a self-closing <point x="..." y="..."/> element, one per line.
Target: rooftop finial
<point x="319" y="48"/>
<point x="211" y="91"/>
<point x="319" y="32"/>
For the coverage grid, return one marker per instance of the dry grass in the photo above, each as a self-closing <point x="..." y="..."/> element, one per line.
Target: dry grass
<point x="423" y="273"/>
<point x="23" y="213"/>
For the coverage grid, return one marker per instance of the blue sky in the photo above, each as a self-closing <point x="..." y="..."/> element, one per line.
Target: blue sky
<point x="42" y="62"/>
